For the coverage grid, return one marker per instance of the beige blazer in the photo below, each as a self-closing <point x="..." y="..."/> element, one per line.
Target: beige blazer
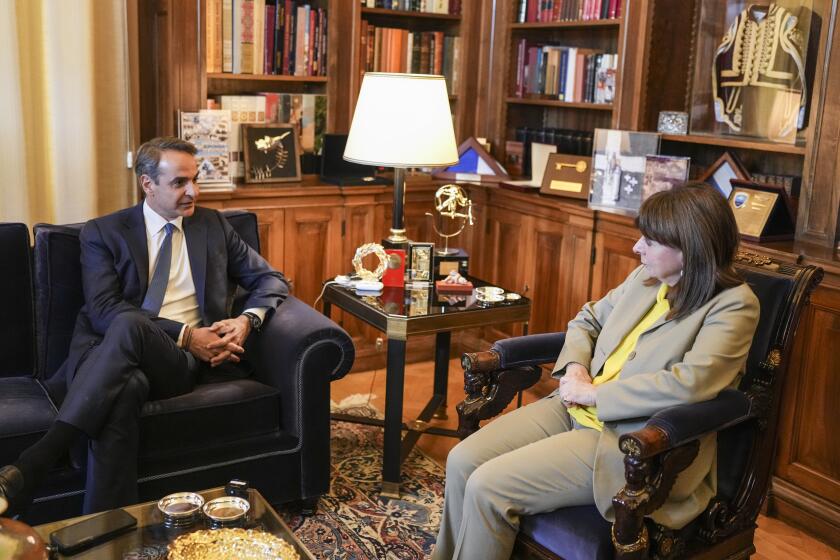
<point x="675" y="362"/>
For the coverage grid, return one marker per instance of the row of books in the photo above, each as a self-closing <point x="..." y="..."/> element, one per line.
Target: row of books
<point x="266" y="37"/>
<point x="222" y="120"/>
<point x="452" y="7"/>
<point x="568" y="141"/>
<point x="533" y="11"/>
<point x="571" y="74"/>
<point x="388" y="49"/>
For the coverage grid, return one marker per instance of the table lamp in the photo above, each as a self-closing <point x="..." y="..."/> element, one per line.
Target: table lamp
<point x="401" y="121"/>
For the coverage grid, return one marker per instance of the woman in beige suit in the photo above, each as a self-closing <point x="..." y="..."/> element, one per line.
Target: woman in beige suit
<point x="676" y="331"/>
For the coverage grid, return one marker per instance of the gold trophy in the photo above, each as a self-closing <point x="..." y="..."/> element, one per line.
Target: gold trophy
<point x="454" y="212"/>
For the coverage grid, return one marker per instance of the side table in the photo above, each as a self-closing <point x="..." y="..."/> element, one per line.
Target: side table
<point x="404" y="312"/>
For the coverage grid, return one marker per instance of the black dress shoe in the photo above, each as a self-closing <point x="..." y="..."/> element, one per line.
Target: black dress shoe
<point x="11" y="490"/>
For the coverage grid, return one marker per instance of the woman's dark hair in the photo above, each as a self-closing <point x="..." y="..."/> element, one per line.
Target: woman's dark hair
<point x="697" y="220"/>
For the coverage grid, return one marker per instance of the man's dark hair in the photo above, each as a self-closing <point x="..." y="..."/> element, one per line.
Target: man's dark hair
<point x="698" y="221"/>
<point x="148" y="156"/>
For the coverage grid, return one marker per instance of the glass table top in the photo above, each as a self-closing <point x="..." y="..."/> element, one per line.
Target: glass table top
<point x="417" y="300"/>
<point x="150" y="539"/>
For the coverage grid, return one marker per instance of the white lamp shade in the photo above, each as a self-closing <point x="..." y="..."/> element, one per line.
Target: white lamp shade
<point x="402" y="120"/>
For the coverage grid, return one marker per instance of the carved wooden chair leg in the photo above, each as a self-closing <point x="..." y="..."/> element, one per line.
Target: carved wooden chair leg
<point x="489" y="389"/>
<point x="649" y="480"/>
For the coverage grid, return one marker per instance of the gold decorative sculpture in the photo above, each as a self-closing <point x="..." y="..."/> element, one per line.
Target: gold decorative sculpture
<point x="453" y="205"/>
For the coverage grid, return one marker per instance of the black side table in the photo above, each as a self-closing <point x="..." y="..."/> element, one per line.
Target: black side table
<point x="408" y="311"/>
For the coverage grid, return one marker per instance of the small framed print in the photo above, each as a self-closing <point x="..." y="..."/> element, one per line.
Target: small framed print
<point x="567" y="175"/>
<point x="721" y="173"/>
<point x="272" y="153"/>
<point x="420" y="260"/>
<point x="663" y="173"/>
<point x="672" y="122"/>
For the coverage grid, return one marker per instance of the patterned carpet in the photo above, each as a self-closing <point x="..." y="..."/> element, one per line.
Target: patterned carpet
<point x="354" y="522"/>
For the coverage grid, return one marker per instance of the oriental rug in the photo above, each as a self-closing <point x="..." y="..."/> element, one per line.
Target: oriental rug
<point x="353" y="521"/>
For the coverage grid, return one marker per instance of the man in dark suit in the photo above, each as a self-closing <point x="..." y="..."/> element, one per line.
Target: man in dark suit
<point x="158" y="281"/>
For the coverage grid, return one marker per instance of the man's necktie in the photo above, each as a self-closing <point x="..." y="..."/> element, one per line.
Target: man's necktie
<point x="157" y="287"/>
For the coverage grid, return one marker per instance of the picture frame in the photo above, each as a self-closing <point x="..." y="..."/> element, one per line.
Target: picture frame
<point x="721" y="173"/>
<point x="209" y="131"/>
<point x="618" y="169"/>
<point x="663" y="173"/>
<point x="420" y="261"/>
<point x="567" y="176"/>
<point x="763" y="212"/>
<point x="272" y="153"/>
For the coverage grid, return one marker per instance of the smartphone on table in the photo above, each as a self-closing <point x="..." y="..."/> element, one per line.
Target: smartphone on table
<point x="93" y="531"/>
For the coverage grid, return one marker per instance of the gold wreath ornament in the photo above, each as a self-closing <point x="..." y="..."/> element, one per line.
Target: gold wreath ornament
<point x="362" y="252"/>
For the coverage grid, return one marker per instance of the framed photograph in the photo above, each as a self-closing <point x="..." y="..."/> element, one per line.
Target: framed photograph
<point x="567" y="175"/>
<point x="209" y="131"/>
<point x="672" y="122"/>
<point x="722" y="172"/>
<point x="420" y="260"/>
<point x="618" y="169"/>
<point x="663" y="173"/>
<point x="272" y="153"/>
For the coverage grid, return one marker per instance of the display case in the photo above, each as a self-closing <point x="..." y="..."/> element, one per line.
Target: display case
<point x="751" y="76"/>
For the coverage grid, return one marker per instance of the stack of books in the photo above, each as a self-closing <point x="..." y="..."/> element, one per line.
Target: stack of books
<point x="266" y="37"/>
<point x="533" y="11"/>
<point x="387" y="49"/>
<point x="452" y="7"/>
<point x="571" y="74"/>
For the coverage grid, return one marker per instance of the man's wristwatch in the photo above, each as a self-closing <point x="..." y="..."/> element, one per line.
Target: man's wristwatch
<point x="255" y="321"/>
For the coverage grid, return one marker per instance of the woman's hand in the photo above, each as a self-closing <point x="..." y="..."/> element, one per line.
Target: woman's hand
<point x="575" y="392"/>
<point x="576" y="375"/>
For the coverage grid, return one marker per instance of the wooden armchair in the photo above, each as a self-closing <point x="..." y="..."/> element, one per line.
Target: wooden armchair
<point x="745" y="420"/>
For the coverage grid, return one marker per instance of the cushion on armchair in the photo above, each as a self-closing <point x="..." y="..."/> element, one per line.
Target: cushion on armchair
<point x="573" y="533"/>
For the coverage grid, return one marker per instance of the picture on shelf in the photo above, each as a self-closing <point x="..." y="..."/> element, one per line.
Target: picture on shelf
<point x="722" y="172"/>
<point x="272" y="153"/>
<point x="420" y="259"/>
<point x="663" y="173"/>
<point x="209" y="132"/>
<point x="618" y="169"/>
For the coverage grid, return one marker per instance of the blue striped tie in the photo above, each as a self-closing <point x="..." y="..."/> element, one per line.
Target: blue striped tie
<point x="157" y="287"/>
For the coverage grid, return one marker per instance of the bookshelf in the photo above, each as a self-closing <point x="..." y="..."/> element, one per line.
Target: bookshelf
<point x="463" y="26"/>
<point x="514" y="104"/>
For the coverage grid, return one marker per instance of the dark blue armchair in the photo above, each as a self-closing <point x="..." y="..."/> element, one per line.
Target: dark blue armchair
<point x="745" y="420"/>
<point x="272" y="429"/>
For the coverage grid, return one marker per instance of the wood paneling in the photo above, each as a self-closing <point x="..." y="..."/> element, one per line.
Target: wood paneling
<point x="614" y="258"/>
<point x="820" y="199"/>
<point x="312" y="246"/>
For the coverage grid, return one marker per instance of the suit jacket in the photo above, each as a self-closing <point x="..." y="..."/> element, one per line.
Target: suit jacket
<point x="676" y="361"/>
<point x="115" y="274"/>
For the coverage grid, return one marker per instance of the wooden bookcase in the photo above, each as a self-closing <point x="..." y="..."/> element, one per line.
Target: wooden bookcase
<point x="464" y="25"/>
<point x="173" y="76"/>
<point x="509" y="111"/>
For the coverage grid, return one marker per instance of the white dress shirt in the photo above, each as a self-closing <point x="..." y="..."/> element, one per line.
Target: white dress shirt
<point x="179" y="302"/>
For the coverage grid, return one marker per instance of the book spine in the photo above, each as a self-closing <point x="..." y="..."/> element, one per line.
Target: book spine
<point x="268" y="34"/>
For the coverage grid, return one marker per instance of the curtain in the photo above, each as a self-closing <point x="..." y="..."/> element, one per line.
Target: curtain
<point x="64" y="110"/>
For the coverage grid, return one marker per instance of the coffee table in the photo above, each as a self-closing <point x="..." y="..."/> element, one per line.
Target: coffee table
<point x="150" y="539"/>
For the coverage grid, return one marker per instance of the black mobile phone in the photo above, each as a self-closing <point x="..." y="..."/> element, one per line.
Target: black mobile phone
<point x="90" y="532"/>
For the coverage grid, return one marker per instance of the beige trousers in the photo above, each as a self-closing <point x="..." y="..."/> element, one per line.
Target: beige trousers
<point x="525" y="462"/>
